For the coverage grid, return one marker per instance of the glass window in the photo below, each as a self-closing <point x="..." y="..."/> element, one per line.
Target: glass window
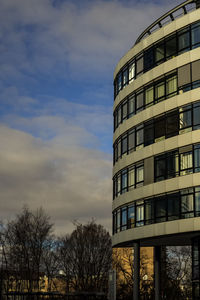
<point x="131" y="106"/>
<point x="159" y="125"/>
<point x="115" y="152"/>
<point x="124" y="111"/>
<point x="118" y="220"/>
<point x="124" y="218"/>
<point x="171" y="86"/>
<point x="131" y="72"/>
<point x="173" y="206"/>
<point x="197" y="158"/>
<point x="119" y="82"/>
<point x="139" y="175"/>
<point x="160" y="168"/>
<point x="170" y="47"/>
<point x="159" y="91"/>
<point x="125" y="77"/>
<point x="119" y="148"/>
<point x="149" y="96"/>
<point x="139" y="65"/>
<point x="186" y="163"/>
<point x="139" y="136"/>
<point x="160" y="209"/>
<point x="195" y="35"/>
<point x="116" y="119"/>
<point x="196" y="115"/>
<point x="124" y="144"/>
<point x="149" y="212"/>
<point x="183" y="40"/>
<point x="172" y="124"/>
<point x="148" y="59"/>
<point x="187" y="207"/>
<point x="124" y="181"/>
<point x="172" y="164"/>
<point x="148" y="133"/>
<point x="118" y="184"/>
<point x="197" y="203"/>
<point x="131" y="140"/>
<point x="139" y="214"/>
<point x="131" y="178"/>
<point x="139" y="101"/>
<point x="131" y="216"/>
<point x="119" y="115"/>
<point x="159" y="53"/>
<point x="185" y="118"/>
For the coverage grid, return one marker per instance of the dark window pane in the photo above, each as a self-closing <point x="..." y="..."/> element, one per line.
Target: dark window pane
<point x="160" y="168"/>
<point x="197" y="158"/>
<point x="124" y="111"/>
<point x="148" y="59"/>
<point x="131" y="216"/>
<point x="171" y="47"/>
<point x="160" y="209"/>
<point x="172" y="165"/>
<point x="159" y="128"/>
<point x="197" y="203"/>
<point x="139" y="135"/>
<point x="196" y="115"/>
<point x="173" y="206"/>
<point x="124" y="144"/>
<point x="119" y="115"/>
<point x="149" y="212"/>
<point x="139" y="101"/>
<point x="195" y="35"/>
<point x="124" y="181"/>
<point x="131" y="140"/>
<point x="172" y="124"/>
<point x="148" y="133"/>
<point x="119" y="82"/>
<point x="159" y="52"/>
<point x="183" y="41"/>
<point x="131" y="106"/>
<point x="187" y="206"/>
<point x="124" y="218"/>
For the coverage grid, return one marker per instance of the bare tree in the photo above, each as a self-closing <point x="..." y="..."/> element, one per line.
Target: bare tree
<point x="176" y="272"/>
<point x="85" y="258"/>
<point x="24" y="242"/>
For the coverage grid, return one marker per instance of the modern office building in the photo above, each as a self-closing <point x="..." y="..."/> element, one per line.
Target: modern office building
<point x="156" y="172"/>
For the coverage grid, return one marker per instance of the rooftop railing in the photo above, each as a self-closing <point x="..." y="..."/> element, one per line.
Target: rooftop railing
<point x="170" y="16"/>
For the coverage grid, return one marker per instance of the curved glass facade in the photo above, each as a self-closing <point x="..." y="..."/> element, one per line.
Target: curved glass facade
<point x="156" y="145"/>
<point x="181" y="41"/>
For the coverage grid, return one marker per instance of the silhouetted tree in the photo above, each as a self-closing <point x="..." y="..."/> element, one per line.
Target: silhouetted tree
<point x="85" y="257"/>
<point x="24" y="241"/>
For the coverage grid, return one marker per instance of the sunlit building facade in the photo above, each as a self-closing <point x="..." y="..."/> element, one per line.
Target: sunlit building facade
<point x="156" y="143"/>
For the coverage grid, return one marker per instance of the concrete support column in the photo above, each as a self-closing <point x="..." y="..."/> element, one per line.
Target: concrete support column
<point x="136" y="265"/>
<point x="157" y="271"/>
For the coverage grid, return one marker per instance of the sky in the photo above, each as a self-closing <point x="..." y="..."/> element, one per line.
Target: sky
<point x="57" y="59"/>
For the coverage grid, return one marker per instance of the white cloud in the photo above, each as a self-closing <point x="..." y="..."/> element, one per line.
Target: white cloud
<point x="40" y="38"/>
<point x="69" y="182"/>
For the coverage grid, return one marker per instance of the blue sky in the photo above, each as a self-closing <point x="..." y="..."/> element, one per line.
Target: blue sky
<point x="57" y="59"/>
